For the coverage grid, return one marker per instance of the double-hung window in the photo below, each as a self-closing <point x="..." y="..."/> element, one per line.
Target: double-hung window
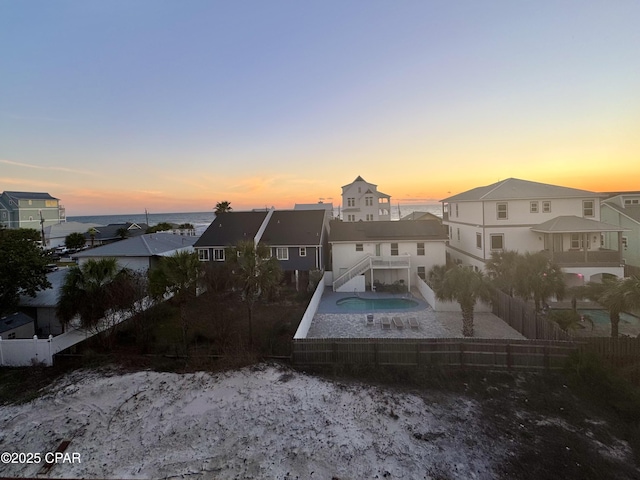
<point x="420" y="248"/>
<point x="497" y="241"/>
<point x="203" y="255"/>
<point x="359" y="247"/>
<point x="533" y="207"/>
<point x="588" y="208"/>
<point x="546" y="207"/>
<point x="394" y="249"/>
<point x="478" y="240"/>
<point x="303" y="251"/>
<point x="282" y="253"/>
<point x="218" y="254"/>
<point x="501" y="211"/>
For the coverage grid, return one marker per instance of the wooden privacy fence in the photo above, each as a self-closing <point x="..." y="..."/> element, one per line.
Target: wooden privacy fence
<point x="500" y="354"/>
<point x="618" y="352"/>
<point x="522" y="317"/>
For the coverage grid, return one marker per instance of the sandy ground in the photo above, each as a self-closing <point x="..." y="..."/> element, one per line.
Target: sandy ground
<point x="263" y="422"/>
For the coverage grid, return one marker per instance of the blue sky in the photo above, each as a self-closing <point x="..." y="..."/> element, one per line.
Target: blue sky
<point x="117" y="106"/>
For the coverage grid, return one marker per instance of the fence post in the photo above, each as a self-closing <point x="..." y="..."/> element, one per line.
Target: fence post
<point x="35" y="348"/>
<point x="51" y="349"/>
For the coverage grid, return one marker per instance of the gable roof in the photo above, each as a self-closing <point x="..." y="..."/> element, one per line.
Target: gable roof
<point x="49" y="296"/>
<point x="107" y="232"/>
<point x="631" y="211"/>
<point x="387" y="230"/>
<point x="573" y="224"/>
<point x="359" y="179"/>
<point x="516" y="189"/>
<point x="229" y="228"/>
<point x="148" y="245"/>
<point x="420" y="216"/>
<point x="294" y="227"/>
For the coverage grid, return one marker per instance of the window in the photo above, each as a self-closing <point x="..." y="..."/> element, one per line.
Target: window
<point x="501" y="209"/>
<point x="30" y="218"/>
<point x="479" y="240"/>
<point x="576" y="241"/>
<point x="546" y="207"/>
<point x="457" y="211"/>
<point x="625" y="242"/>
<point x="420" y="247"/>
<point x="351" y="218"/>
<point x="218" y="254"/>
<point x="394" y="249"/>
<point x="351" y="202"/>
<point x="631" y="201"/>
<point x="497" y="241"/>
<point x="282" y="253"/>
<point x="378" y="249"/>
<point x="303" y="251"/>
<point x="369" y="217"/>
<point x="587" y="208"/>
<point x="359" y="247"/>
<point x="458" y="234"/>
<point x="368" y="201"/>
<point x="450" y="231"/>
<point x="422" y="273"/>
<point x="203" y="255"/>
<point x="533" y="207"/>
<point x="12" y="335"/>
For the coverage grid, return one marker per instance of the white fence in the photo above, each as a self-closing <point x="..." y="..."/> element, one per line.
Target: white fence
<point x="309" y="313"/>
<point x="36" y="351"/>
<point x="444" y="306"/>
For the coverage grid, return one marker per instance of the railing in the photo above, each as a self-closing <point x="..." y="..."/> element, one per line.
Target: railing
<point x="357" y="269"/>
<point x="578" y="257"/>
<point x="395" y="261"/>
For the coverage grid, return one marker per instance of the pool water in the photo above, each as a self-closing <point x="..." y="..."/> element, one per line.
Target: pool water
<point x="357" y="304"/>
<point x="601" y="317"/>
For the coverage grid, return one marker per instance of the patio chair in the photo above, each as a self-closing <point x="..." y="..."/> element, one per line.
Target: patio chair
<point x="413" y="323"/>
<point x="398" y="323"/>
<point x="384" y="321"/>
<point x="369" y="319"/>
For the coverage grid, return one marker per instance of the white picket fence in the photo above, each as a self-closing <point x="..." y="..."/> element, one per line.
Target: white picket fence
<point x="40" y="351"/>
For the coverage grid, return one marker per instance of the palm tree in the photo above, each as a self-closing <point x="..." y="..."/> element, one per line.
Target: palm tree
<point x="122" y="232"/>
<point x="537" y="278"/>
<point x="465" y="286"/>
<point x="92" y="235"/>
<point x="177" y="275"/>
<point x="502" y="270"/>
<point x="615" y="296"/>
<point x="93" y="289"/>
<point x="222" y="207"/>
<point x="255" y="272"/>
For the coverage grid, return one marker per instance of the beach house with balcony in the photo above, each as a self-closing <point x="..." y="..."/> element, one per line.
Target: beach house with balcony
<point x="368" y="253"/>
<point x="30" y="210"/>
<point x="564" y="223"/>
<point x="361" y="201"/>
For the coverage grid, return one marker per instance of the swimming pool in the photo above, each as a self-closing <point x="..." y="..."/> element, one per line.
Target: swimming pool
<point x="357" y="304"/>
<point x="601" y="317"/>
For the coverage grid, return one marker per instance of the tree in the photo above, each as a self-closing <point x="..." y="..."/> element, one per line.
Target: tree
<point x="502" y="270"/>
<point x="74" y="240"/>
<point x="122" y="232"/>
<point x="98" y="292"/>
<point x="465" y="286"/>
<point x="223" y="207"/>
<point x="92" y="232"/>
<point x="22" y="267"/>
<point x="614" y="295"/>
<point x="255" y="272"/>
<point x="186" y="226"/>
<point x="537" y="278"/>
<point x="161" y="227"/>
<point x="177" y="275"/>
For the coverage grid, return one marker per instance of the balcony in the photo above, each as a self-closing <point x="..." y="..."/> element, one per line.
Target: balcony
<point x="581" y="258"/>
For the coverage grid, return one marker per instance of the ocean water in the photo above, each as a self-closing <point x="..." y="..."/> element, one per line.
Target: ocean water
<point x="201" y="220"/>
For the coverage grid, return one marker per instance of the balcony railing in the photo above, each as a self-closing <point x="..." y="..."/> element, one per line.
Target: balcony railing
<point x="578" y="258"/>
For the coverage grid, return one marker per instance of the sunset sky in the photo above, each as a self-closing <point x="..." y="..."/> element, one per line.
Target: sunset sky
<point x="117" y="106"/>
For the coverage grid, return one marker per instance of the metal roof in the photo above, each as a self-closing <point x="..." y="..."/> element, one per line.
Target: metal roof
<point x="30" y="196"/>
<point x="146" y="245"/>
<point x="573" y="224"/>
<point x="516" y="189"/>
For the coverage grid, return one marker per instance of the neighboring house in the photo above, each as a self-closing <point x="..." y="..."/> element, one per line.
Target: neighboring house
<point x="361" y="200"/>
<point x="28" y="209"/>
<point x="316" y="206"/>
<point x="527" y="216"/>
<point x="55" y="235"/>
<point x="421" y="216"/>
<point x="297" y="238"/>
<point x="141" y="252"/>
<point x="113" y="232"/>
<point x="623" y="209"/>
<point x="16" y="325"/>
<point x="42" y="307"/>
<point x="367" y="253"/>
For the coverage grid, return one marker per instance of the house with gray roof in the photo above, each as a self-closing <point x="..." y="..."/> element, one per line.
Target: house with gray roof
<point x="30" y="210"/>
<point x="141" y="252"/>
<point x="114" y="232"/>
<point x="361" y="201"/>
<point x="297" y="238"/>
<point x="384" y="252"/>
<point x="42" y="306"/>
<point x="623" y="209"/>
<point x="16" y="325"/>
<point x="513" y="214"/>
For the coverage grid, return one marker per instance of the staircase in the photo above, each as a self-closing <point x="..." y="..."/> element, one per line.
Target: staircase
<point x="359" y="268"/>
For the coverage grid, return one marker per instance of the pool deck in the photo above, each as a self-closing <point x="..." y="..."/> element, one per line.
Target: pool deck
<point x="330" y="321"/>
